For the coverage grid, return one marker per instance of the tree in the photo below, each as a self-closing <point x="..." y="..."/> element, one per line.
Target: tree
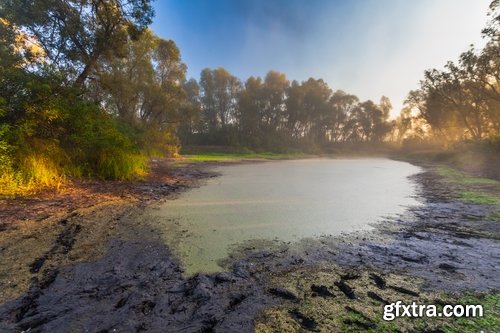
<point x="315" y="105"/>
<point x="402" y="124"/>
<point x="219" y="90"/>
<point x="463" y="101"/>
<point x="451" y="102"/>
<point x="145" y="88"/>
<point x="380" y="117"/>
<point x="208" y="100"/>
<point x="249" y="111"/>
<point x="341" y="106"/>
<point x="273" y="98"/>
<point x="146" y="84"/>
<point x="369" y="121"/>
<point x="190" y="110"/>
<point x="295" y="115"/>
<point x="75" y="35"/>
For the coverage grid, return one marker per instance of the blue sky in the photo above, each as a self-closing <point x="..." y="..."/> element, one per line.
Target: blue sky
<point x="368" y="48"/>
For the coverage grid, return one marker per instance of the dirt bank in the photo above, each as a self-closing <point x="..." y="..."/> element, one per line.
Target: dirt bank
<point x="85" y="260"/>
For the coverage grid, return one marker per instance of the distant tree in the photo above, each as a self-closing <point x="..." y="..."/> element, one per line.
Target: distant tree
<point x="369" y="121"/>
<point x="145" y="90"/>
<point x="249" y="111"/>
<point x="170" y="73"/>
<point x="208" y="100"/>
<point x="341" y="106"/>
<point x="359" y="123"/>
<point x="227" y="88"/>
<point x="273" y="100"/>
<point x="125" y="81"/>
<point x="492" y="30"/>
<point x="219" y="94"/>
<point x="380" y="119"/>
<point x="296" y="116"/>
<point x="402" y="124"/>
<point x="190" y="110"/>
<point x="315" y="105"/>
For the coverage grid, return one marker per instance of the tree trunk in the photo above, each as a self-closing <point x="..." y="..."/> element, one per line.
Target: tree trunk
<point x="80" y="80"/>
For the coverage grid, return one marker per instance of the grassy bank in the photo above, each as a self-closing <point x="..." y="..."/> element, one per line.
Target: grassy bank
<point x="476" y="190"/>
<point x="365" y="313"/>
<point x="194" y="154"/>
<point x="209" y="156"/>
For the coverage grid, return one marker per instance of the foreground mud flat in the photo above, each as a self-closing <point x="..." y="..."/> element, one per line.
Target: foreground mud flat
<point x="94" y="264"/>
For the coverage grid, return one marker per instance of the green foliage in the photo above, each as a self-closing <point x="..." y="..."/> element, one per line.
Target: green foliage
<point x="8" y="178"/>
<point x="98" y="147"/>
<point x="142" y="88"/>
<point x="5" y="149"/>
<point x="53" y="124"/>
<point x="57" y="139"/>
<point x="76" y="35"/>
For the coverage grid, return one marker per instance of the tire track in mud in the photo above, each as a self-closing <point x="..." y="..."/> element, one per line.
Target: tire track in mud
<point x="62" y="245"/>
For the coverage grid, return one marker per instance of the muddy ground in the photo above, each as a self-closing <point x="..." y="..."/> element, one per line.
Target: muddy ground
<point x="85" y="260"/>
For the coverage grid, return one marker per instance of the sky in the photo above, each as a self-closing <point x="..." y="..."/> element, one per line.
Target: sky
<point x="368" y="48"/>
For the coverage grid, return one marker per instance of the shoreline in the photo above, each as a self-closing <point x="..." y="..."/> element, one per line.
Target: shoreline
<point x="107" y="265"/>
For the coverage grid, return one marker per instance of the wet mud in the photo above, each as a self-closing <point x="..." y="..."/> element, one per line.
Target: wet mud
<point x="130" y="281"/>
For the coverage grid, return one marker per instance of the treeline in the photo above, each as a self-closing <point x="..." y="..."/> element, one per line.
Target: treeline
<point x="276" y="114"/>
<point x="458" y="104"/>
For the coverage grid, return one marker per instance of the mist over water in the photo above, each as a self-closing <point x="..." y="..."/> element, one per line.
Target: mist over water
<point x="287" y="200"/>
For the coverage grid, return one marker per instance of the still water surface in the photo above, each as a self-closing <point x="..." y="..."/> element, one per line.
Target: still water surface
<point x="285" y="200"/>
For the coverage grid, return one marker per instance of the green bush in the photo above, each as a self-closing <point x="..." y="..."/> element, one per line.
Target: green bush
<point x="46" y="137"/>
<point x="97" y="147"/>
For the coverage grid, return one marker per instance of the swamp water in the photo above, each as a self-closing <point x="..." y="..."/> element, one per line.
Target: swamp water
<point x="284" y="200"/>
